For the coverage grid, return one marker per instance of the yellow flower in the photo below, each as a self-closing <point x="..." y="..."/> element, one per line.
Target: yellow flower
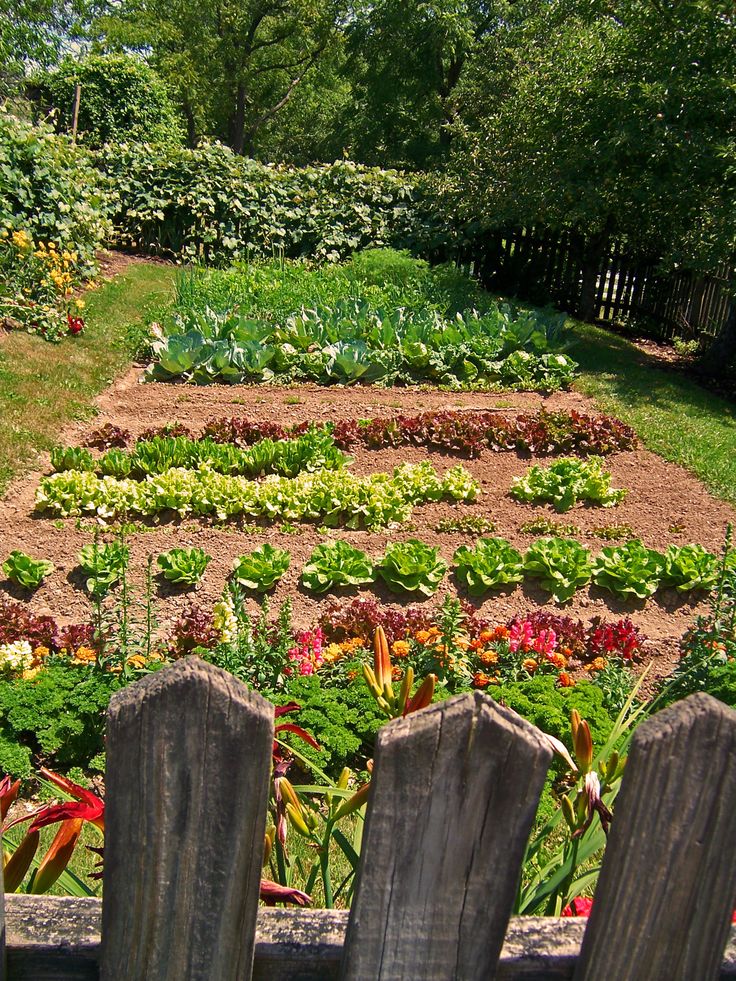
<point x="136" y="661"/>
<point x="80" y="304"/>
<point x="332" y="653"/>
<point x="40" y="653"/>
<point x="400" y="648"/>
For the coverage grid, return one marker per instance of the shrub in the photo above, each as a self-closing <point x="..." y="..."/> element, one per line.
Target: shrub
<point x="122" y="99"/>
<point x="59" y="713"/>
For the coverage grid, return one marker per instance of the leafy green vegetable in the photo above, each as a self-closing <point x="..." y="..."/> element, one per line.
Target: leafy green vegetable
<point x="412" y="567"/>
<point x="562" y="565"/>
<point x="490" y="564"/>
<point x="630" y="569"/>
<point x="261" y="569"/>
<point x="688" y="567"/>
<point x="567" y="481"/>
<point x="71" y="458"/>
<point x="104" y="564"/>
<point x="184" y="565"/>
<point x="25" y="571"/>
<point x="336" y="564"/>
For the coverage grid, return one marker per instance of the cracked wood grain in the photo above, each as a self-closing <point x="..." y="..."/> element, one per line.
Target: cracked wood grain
<point x="662" y="908"/>
<point x="455" y="791"/>
<point x="188" y="768"/>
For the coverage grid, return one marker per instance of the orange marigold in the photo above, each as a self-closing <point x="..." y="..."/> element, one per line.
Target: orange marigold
<point x="566" y="680"/>
<point x="85" y="654"/>
<point x="488" y="657"/>
<point x="597" y="665"/>
<point x="481" y="679"/>
<point x="529" y="664"/>
<point x="400" y="648"/>
<point x="421" y="636"/>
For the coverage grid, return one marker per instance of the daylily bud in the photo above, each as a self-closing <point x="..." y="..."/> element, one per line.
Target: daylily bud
<point x="289" y="794"/>
<point x="381" y="658"/>
<point x="297" y="821"/>
<point x="57" y="857"/>
<point x="388" y="693"/>
<point x="353" y="803"/>
<point x="568" y="813"/>
<point x="574" y="723"/>
<point x="342" y="780"/>
<point x="422" y="696"/>
<point x="20" y="861"/>
<point x="372" y="681"/>
<point x="583" y="743"/>
<point x="611" y="766"/>
<point x="268" y="840"/>
<point x="406" y="684"/>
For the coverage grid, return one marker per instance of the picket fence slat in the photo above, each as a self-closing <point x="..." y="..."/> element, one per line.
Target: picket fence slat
<point x="187" y="778"/>
<point x="448" y="820"/>
<point x="667" y="888"/>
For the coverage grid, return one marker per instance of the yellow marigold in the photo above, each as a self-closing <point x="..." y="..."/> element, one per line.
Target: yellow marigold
<point x="136" y="661"/>
<point x="40" y="653"/>
<point x="488" y="657"/>
<point x="85" y="655"/>
<point x="529" y="664"/>
<point x="31" y="673"/>
<point x="400" y="648"/>
<point x="332" y="653"/>
<point x="348" y="646"/>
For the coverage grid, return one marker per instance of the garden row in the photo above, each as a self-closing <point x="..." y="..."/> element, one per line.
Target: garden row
<point x="562" y="566"/>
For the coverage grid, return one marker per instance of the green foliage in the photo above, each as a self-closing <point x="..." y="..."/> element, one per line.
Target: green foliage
<point x="262" y="568"/>
<point x="543" y="703"/>
<point x="561" y="564"/>
<point x="25" y="571"/>
<point x="122" y="98"/>
<point x="71" y="458"/>
<point x="255" y="650"/>
<point x="491" y="564"/>
<point x="377" y="267"/>
<point x="184" y="566"/>
<point x="567" y="481"/>
<point x="333" y="497"/>
<point x="50" y="189"/>
<point x="328" y="326"/>
<point x="616" y="681"/>
<point x="466" y="524"/>
<point x="210" y="204"/>
<point x="630" y="569"/>
<point x="58" y="714"/>
<point x="610" y="125"/>
<point x="335" y="564"/>
<point x="103" y="564"/>
<point x="546" y="526"/>
<point x="412" y="567"/>
<point x="344" y="719"/>
<point x="688" y="567"/>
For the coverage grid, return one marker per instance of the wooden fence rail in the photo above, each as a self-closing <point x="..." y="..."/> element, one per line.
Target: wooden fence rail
<point x="453" y="798"/>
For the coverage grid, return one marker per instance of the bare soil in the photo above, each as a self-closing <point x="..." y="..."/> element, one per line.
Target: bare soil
<point x="665" y="504"/>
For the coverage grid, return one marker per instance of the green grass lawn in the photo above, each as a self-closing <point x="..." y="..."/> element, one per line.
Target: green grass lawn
<point x="673" y="416"/>
<point x="45" y="386"/>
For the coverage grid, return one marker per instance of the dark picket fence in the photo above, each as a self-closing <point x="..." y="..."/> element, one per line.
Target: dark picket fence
<point x="543" y="266"/>
<point x="454" y="793"/>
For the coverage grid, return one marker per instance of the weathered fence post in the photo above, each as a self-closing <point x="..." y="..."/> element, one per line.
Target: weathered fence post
<point x="663" y="903"/>
<point x="454" y="794"/>
<point x="188" y="768"/>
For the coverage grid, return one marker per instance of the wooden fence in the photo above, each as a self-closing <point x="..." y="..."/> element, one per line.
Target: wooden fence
<point x="543" y="266"/>
<point x="454" y="793"/>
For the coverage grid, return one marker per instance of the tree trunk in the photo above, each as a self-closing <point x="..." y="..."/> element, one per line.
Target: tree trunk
<point x="595" y="250"/>
<point x="720" y="357"/>
<point x="237" y="120"/>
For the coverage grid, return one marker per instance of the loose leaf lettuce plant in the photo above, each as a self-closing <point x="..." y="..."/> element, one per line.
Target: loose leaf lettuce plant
<point x="567" y="481"/>
<point x="412" y="567"/>
<point x="491" y="564"/>
<point x="561" y="564"/>
<point x="335" y="564"/>
<point x="25" y="571"/>
<point x="262" y="568"/>
<point x="184" y="566"/>
<point x="630" y="569"/>
<point x="689" y="567"/>
<point x="103" y="564"/>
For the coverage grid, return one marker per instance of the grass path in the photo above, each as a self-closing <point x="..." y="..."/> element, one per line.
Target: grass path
<point x="45" y="386"/>
<point x="673" y="416"/>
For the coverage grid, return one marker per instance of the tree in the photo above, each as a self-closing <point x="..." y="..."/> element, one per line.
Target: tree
<point x="236" y="63"/>
<point x="407" y="57"/>
<point x="613" y="119"/>
<point x="122" y="98"/>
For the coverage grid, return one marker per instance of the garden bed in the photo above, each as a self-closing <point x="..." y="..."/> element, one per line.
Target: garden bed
<point x="665" y="505"/>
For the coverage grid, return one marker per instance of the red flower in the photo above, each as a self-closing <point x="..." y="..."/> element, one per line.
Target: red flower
<point x="76" y="324"/>
<point x="86" y="807"/>
<point x="581" y="906"/>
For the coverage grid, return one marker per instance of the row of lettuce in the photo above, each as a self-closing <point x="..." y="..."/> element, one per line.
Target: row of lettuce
<point x="414" y="568"/>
